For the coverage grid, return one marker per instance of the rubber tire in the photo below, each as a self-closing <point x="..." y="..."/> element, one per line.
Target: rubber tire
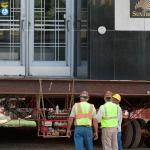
<point x="147" y="142"/>
<point x="148" y="125"/>
<point x="142" y="124"/>
<point x="127" y="133"/>
<point x="136" y="134"/>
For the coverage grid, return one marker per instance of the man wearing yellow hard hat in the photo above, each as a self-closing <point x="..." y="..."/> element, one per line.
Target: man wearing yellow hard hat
<point x="116" y="98"/>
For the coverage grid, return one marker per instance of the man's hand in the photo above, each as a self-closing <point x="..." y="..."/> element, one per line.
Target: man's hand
<point x="70" y="122"/>
<point x="95" y="124"/>
<point x="68" y="133"/>
<point x="95" y="135"/>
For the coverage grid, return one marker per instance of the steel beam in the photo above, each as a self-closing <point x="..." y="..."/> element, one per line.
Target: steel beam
<point x="34" y="86"/>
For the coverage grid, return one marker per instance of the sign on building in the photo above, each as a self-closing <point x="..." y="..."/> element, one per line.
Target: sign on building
<point x="139" y="8"/>
<point x="4" y="8"/>
<point x="132" y="15"/>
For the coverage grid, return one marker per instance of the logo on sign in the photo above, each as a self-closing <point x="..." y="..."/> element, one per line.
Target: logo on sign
<point x="140" y="8"/>
<point x="4" y="11"/>
<point x="4" y="4"/>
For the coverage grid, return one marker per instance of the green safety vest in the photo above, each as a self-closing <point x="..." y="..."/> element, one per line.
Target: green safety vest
<point x="83" y="114"/>
<point x="109" y="115"/>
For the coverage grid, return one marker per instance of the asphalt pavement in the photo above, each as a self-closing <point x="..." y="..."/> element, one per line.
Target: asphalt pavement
<point x="26" y="139"/>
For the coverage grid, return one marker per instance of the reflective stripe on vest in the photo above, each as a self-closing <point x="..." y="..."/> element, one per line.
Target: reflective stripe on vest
<point x="84" y="114"/>
<point x="110" y="115"/>
<point x="80" y="113"/>
<point x="107" y="117"/>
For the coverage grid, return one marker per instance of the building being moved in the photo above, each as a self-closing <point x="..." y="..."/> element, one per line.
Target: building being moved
<point x="53" y="49"/>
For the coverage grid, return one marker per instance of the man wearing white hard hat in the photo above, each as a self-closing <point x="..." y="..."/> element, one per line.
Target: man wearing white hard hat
<point x="108" y="117"/>
<point x="83" y="114"/>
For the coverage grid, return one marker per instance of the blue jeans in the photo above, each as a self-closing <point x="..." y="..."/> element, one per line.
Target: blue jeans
<point x="119" y="141"/>
<point x="83" y="135"/>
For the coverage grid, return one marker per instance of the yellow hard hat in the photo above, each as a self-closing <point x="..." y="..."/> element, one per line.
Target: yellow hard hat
<point x="117" y="97"/>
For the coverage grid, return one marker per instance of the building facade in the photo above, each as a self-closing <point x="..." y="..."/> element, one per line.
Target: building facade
<point x="90" y="39"/>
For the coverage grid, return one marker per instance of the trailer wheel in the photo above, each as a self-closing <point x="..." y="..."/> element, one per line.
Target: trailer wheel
<point x="136" y="134"/>
<point x="147" y="142"/>
<point x="127" y="133"/>
<point x="142" y="124"/>
<point x="148" y="125"/>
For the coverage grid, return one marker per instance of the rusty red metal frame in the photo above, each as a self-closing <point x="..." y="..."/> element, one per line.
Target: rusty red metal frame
<point x="31" y="86"/>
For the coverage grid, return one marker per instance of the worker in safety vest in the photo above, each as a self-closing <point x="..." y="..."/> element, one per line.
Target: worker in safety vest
<point x="117" y="99"/>
<point x="83" y="115"/>
<point x="108" y="117"/>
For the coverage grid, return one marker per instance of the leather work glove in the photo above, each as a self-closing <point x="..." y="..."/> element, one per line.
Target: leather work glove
<point x="95" y="135"/>
<point x="68" y="134"/>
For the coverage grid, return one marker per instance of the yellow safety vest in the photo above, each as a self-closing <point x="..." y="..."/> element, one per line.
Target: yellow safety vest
<point x="83" y="114"/>
<point x="109" y="115"/>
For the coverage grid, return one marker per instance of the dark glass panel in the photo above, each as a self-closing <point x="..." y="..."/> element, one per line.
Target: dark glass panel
<point x="37" y="37"/>
<point x="44" y="53"/>
<point x="4" y="36"/>
<point x="62" y="53"/>
<point x="16" y="53"/>
<point x="37" y="3"/>
<point x="15" y="36"/>
<point x="37" y="53"/>
<point x="130" y="55"/>
<point x="62" y="37"/>
<point x="101" y="56"/>
<point x="62" y="3"/>
<point x="4" y="53"/>
<point x="81" y="39"/>
<point x="49" y="54"/>
<point x="49" y="37"/>
<point x="101" y="14"/>
<point x="82" y="67"/>
<point x="146" y="44"/>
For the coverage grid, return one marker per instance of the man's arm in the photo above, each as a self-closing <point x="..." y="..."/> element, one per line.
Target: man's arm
<point x="119" y="119"/>
<point x="95" y="124"/>
<point x="98" y="119"/>
<point x="70" y="121"/>
<point x="99" y="114"/>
